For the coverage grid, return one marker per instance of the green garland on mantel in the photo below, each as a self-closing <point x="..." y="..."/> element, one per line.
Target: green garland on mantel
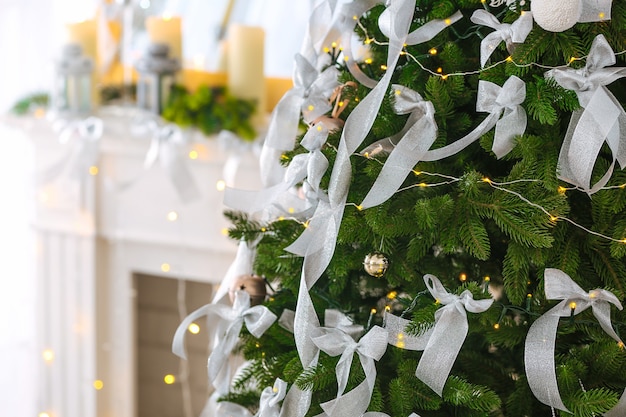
<point x="209" y="109"/>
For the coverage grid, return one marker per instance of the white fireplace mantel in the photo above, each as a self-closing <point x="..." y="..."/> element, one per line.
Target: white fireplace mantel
<point x="93" y="235"/>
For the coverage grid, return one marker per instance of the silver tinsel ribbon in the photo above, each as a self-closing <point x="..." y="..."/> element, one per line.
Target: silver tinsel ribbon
<point x="601" y="119"/>
<point x="371" y="347"/>
<point x="506" y="114"/>
<point x="504" y="32"/>
<point x="417" y="136"/>
<point x="257" y="319"/>
<point x="168" y="147"/>
<point x="449" y="333"/>
<point x="541" y="337"/>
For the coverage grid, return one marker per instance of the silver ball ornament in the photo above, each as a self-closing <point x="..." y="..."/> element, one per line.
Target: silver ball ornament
<point x="254" y="285"/>
<point x="376" y="264"/>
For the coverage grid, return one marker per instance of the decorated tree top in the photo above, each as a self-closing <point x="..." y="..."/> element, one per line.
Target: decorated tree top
<point x="471" y="152"/>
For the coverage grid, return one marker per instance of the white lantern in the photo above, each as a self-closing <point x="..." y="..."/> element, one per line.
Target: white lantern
<point x="156" y="73"/>
<point x="73" y="83"/>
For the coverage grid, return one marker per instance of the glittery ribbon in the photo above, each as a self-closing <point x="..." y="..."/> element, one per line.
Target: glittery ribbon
<point x="82" y="153"/>
<point x="601" y="119"/>
<point x="226" y="408"/>
<point x="418" y="135"/>
<point x="257" y="319"/>
<point x="506" y="114"/>
<point x="371" y="347"/>
<point x="541" y="337"/>
<point x="396" y="331"/>
<point x="504" y="32"/>
<point x="270" y="399"/>
<point x="168" y="147"/>
<point x="595" y="10"/>
<point x="449" y="333"/>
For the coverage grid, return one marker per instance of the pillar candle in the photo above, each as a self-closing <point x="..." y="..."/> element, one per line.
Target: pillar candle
<point x="84" y="34"/>
<point x="245" y="60"/>
<point x="166" y="29"/>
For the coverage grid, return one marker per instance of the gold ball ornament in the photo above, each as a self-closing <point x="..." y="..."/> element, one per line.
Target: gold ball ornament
<point x="376" y="264"/>
<point x="556" y="15"/>
<point x="254" y="285"/>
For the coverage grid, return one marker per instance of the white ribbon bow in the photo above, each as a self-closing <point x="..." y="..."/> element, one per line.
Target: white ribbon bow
<point x="270" y="399"/>
<point x="82" y="154"/>
<point x="168" y="146"/>
<point x="601" y="119"/>
<point x="417" y="136"/>
<point x="369" y="348"/>
<point x="449" y="333"/>
<point x="504" y="32"/>
<point x="541" y="337"/>
<point x="257" y="319"/>
<point x="506" y="114"/>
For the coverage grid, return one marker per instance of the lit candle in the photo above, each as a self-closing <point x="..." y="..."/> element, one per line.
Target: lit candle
<point x="84" y="33"/>
<point x="166" y="29"/>
<point x="245" y="60"/>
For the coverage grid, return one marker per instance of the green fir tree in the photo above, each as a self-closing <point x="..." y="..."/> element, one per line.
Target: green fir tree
<point x="475" y="221"/>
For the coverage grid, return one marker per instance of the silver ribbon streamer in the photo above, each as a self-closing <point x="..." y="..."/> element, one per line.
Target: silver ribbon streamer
<point x="228" y="409"/>
<point x="83" y="153"/>
<point x="257" y="319"/>
<point x="369" y="348"/>
<point x="504" y="32"/>
<point x="601" y="119"/>
<point x="271" y="398"/>
<point x="449" y="333"/>
<point x="595" y="10"/>
<point x="418" y="135"/>
<point x="168" y="147"/>
<point x="620" y="408"/>
<point x="506" y="114"/>
<point x="541" y="337"/>
<point x="396" y="331"/>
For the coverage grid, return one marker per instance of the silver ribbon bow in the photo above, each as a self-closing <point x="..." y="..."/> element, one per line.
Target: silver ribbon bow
<point x="168" y="146"/>
<point x="257" y="319"/>
<point x="504" y="32"/>
<point x="83" y="153"/>
<point x="371" y="347"/>
<point x="506" y="114"/>
<point x="448" y="334"/>
<point x="417" y="136"/>
<point x="541" y="337"/>
<point x="270" y="399"/>
<point x="601" y="118"/>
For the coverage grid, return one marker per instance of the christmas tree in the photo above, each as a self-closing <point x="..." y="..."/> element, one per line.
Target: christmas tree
<point x="443" y="235"/>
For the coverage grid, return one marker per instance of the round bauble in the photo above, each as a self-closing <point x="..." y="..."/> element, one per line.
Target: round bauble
<point x="556" y="15"/>
<point x="376" y="264"/>
<point x="254" y="285"/>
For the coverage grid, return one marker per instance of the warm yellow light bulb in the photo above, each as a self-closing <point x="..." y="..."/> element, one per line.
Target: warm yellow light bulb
<point x="98" y="384"/>
<point x="387" y="308"/>
<point x="439" y="70"/>
<point x="333" y="45"/>
<point x="368" y="61"/>
<point x="291" y="210"/>
<point x="448" y="22"/>
<point x="220" y="185"/>
<point x="572" y="305"/>
<point x="225" y="231"/>
<point x="359" y="208"/>
<point x="487" y="279"/>
<point x="562" y="189"/>
<point x="169" y="379"/>
<point x="620" y="344"/>
<point x="383" y="67"/>
<point x="165" y="267"/>
<point x="193" y="328"/>
<point x="553" y="219"/>
<point x="373" y="311"/>
<point x="444" y="77"/>
<point x="311" y="107"/>
<point x="529" y="295"/>
<point x="601" y="15"/>
<point x="496" y="326"/>
<point x="392" y="295"/>
<point x="93" y="170"/>
<point x="463" y="277"/>
<point x="509" y="58"/>
<point x="172" y="216"/>
<point x="432" y="51"/>
<point x="43" y="415"/>
<point x="193" y="154"/>
<point x="48" y="355"/>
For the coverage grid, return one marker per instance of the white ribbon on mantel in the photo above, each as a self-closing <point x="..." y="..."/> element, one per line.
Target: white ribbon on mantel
<point x="82" y="153"/>
<point x="257" y="319"/>
<point x="541" y="337"/>
<point x="602" y="118"/>
<point x="511" y="34"/>
<point x="449" y="333"/>
<point x="505" y="113"/>
<point x="168" y="147"/>
<point x="418" y="135"/>
<point x="371" y="347"/>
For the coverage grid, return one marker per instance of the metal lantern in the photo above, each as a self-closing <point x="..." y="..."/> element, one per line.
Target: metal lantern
<point x="156" y="73"/>
<point x="73" y="84"/>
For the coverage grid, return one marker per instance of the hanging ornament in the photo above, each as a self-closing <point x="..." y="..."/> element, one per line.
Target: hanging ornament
<point x="376" y="264"/>
<point x="254" y="285"/>
<point x="556" y="15"/>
